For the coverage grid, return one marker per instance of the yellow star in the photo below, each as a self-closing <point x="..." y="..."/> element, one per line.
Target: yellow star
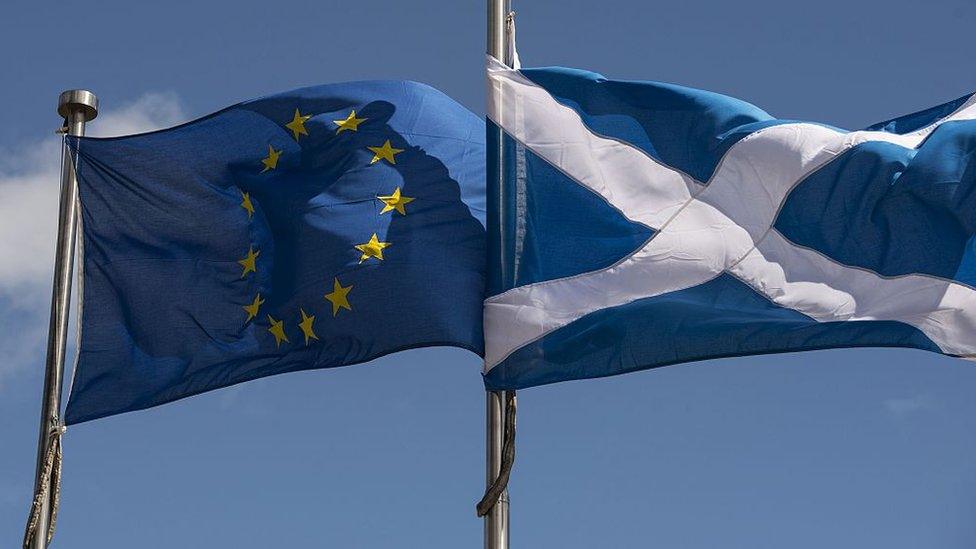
<point x="373" y="248"/>
<point x="271" y="161"/>
<point x="395" y="202"/>
<point x="297" y="124"/>
<point x="339" y="297"/>
<point x="386" y="152"/>
<point x="250" y="262"/>
<point x="246" y="204"/>
<point x="350" y="123"/>
<point x="277" y="329"/>
<point x="306" y="326"/>
<point x="252" y="309"/>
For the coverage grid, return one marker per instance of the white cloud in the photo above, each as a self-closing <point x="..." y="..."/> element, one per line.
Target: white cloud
<point x="902" y="407"/>
<point x="29" y="184"/>
<point x="150" y="112"/>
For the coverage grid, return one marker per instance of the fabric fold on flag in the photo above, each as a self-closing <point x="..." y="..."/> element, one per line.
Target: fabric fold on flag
<point x="703" y="227"/>
<point x="316" y="228"/>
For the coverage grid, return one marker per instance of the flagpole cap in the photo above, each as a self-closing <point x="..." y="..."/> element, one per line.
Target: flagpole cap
<point x="84" y="101"/>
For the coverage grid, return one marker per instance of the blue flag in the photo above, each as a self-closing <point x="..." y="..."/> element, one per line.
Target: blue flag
<point x="316" y="228"/>
<point x="642" y="224"/>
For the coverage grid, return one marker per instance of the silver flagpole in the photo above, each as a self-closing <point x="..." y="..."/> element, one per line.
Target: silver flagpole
<point x="77" y="107"/>
<point x="496" y="521"/>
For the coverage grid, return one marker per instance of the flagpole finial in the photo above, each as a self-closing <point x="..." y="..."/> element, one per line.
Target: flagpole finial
<point x="75" y="101"/>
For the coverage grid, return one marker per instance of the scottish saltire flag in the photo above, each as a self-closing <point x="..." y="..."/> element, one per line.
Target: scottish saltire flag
<point x="316" y="228"/>
<point x="642" y="224"/>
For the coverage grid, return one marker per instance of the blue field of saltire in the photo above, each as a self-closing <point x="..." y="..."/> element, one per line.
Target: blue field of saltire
<point x="641" y="224"/>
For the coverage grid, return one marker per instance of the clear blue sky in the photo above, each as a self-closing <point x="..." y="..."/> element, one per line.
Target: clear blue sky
<point x="866" y="448"/>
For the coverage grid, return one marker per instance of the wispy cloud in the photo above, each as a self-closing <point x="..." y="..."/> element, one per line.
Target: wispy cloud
<point x="903" y="407"/>
<point x="29" y="184"/>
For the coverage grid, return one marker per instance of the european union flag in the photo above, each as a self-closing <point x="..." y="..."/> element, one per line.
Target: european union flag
<point x="316" y="228"/>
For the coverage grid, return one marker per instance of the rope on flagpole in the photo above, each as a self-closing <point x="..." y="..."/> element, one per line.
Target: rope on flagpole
<point x="500" y="484"/>
<point x="50" y="482"/>
<point x="511" y="53"/>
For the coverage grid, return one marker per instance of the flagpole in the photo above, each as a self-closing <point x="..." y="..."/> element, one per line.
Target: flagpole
<point x="77" y="107"/>
<point x="496" y="521"/>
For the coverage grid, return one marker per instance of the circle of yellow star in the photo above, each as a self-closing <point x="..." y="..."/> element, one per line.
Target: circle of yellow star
<point x="277" y="329"/>
<point x="247" y="205"/>
<point x="252" y="309"/>
<point x="306" y="326"/>
<point x="297" y="124"/>
<point x="373" y="248"/>
<point x="350" y="123"/>
<point x="395" y="202"/>
<point x="271" y="161"/>
<point x="249" y="263"/>
<point x="339" y="297"/>
<point x="386" y="152"/>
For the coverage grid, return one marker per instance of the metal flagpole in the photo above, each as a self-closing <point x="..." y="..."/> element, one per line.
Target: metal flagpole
<point x="77" y="107"/>
<point x="496" y="520"/>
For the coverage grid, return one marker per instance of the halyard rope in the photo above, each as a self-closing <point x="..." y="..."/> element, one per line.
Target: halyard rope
<point x="494" y="492"/>
<point x="50" y="481"/>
